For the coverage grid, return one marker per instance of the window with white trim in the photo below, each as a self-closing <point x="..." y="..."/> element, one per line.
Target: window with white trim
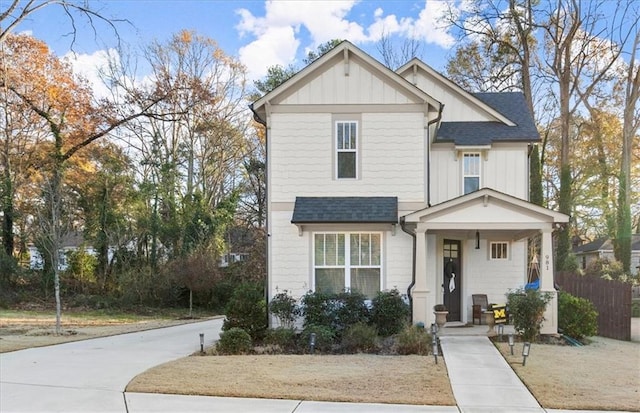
<point x="499" y="250"/>
<point x="346" y="149"/>
<point x="348" y="261"/>
<point x="471" y="172"/>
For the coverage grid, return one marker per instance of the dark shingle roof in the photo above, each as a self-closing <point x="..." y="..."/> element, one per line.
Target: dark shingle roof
<point x="371" y="209"/>
<point x="606" y="244"/>
<point x="510" y="104"/>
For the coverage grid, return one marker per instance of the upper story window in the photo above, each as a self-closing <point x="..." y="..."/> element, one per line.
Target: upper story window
<point x="346" y="149"/>
<point x="499" y="250"/>
<point x="471" y="172"/>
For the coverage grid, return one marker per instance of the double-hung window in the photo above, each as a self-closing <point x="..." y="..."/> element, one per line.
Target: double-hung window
<point x="346" y="149"/>
<point x="348" y="261"/>
<point x="471" y="172"/>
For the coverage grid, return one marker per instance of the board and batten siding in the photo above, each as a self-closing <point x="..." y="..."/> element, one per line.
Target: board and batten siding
<point x="504" y="169"/>
<point x="362" y="86"/>
<point x="457" y="109"/>
<point x="391" y="157"/>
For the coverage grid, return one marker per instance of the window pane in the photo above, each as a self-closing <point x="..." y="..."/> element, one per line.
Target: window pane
<point x="365" y="256"/>
<point x="471" y="184"/>
<point x="355" y="249"/>
<point x="319" y="249"/>
<point x="341" y="249"/>
<point x="472" y="164"/>
<point x="346" y="164"/>
<point x="330" y="257"/>
<point x="329" y="280"/>
<point x="340" y="132"/>
<point x="366" y="281"/>
<point x="352" y="136"/>
<point x="375" y="249"/>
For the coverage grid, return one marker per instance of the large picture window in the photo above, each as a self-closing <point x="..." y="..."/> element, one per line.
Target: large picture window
<point x="471" y="172"/>
<point x="348" y="261"/>
<point x="346" y="149"/>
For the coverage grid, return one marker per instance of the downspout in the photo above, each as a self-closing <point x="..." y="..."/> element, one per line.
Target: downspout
<point x="402" y="220"/>
<point x="431" y="122"/>
<point x="263" y="122"/>
<point x="413" y="270"/>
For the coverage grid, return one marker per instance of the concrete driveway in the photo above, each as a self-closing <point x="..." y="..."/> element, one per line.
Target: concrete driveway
<point x="91" y="375"/>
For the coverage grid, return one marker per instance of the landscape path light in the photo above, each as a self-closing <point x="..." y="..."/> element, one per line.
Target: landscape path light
<point x="525" y="352"/>
<point x="202" y="342"/>
<point x="500" y="331"/>
<point x="510" y="338"/>
<point x="434" y="342"/>
<point x="312" y="342"/>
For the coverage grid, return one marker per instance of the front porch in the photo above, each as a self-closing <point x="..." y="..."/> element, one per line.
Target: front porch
<point x="456" y="256"/>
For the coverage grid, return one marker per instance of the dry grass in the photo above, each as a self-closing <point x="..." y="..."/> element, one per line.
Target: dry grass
<point x="346" y="378"/>
<point x="604" y="375"/>
<point x="26" y="329"/>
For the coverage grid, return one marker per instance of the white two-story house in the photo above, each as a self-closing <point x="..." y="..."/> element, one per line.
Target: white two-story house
<point x="380" y="180"/>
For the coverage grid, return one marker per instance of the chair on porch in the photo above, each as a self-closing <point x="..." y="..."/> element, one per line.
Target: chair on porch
<point x="480" y="305"/>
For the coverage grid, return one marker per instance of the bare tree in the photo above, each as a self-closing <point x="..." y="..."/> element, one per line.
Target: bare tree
<point x="394" y="55"/>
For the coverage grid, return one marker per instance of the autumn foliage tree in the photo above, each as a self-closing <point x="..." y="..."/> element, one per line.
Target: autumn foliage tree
<point x="65" y="107"/>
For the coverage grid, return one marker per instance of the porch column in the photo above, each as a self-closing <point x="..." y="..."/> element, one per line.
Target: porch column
<point x="420" y="289"/>
<point x="550" y="324"/>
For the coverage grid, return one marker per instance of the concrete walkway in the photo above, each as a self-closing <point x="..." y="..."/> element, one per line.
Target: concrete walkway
<point x="91" y="375"/>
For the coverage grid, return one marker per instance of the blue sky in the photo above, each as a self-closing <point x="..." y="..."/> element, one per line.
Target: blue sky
<point x="259" y="33"/>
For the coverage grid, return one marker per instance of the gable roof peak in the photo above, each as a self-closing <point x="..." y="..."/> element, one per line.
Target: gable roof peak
<point x="348" y="50"/>
<point x="415" y="65"/>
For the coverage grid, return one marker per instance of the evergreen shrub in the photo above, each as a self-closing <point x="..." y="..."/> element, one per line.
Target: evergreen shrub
<point x="234" y="341"/>
<point x="389" y="312"/>
<point x="247" y="310"/>
<point x="577" y="317"/>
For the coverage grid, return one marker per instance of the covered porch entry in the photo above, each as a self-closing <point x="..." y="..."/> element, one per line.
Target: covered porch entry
<point x="477" y="244"/>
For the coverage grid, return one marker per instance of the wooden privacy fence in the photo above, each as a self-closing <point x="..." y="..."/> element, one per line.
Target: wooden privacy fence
<point x="612" y="300"/>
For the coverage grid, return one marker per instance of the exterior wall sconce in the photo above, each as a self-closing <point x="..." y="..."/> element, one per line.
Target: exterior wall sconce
<point x="525" y="352"/>
<point x="511" y="342"/>
<point x="312" y="342"/>
<point x="477" y="240"/>
<point x="202" y="342"/>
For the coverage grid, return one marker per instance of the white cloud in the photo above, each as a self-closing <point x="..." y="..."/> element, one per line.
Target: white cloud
<point x="89" y="66"/>
<point x="276" y="46"/>
<point x="277" y="35"/>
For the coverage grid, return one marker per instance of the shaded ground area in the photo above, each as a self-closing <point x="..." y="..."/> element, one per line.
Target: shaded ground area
<point x="347" y="378"/>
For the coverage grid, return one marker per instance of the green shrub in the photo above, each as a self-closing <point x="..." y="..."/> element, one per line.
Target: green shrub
<point x="247" y="310"/>
<point x="635" y="307"/>
<point x="413" y="340"/>
<point x="359" y="338"/>
<point x="284" y="338"/>
<point x="317" y="309"/>
<point x="234" y="341"/>
<point x="350" y="309"/>
<point x="526" y="308"/>
<point x="325" y="337"/>
<point x="577" y="317"/>
<point x="284" y="307"/>
<point x="389" y="313"/>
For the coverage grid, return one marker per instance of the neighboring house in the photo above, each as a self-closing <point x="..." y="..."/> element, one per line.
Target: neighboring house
<point x="231" y="258"/>
<point x="380" y="180"/>
<point x="69" y="243"/>
<point x="603" y="248"/>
